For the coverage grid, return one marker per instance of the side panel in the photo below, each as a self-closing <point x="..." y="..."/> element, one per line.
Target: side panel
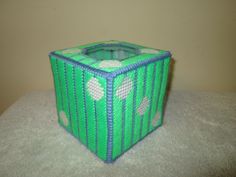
<point x="132" y="115"/>
<point x="123" y="106"/>
<point x="96" y="120"/>
<point x="79" y="112"/>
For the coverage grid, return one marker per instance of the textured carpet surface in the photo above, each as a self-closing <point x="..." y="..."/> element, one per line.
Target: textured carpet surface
<point x="198" y="138"/>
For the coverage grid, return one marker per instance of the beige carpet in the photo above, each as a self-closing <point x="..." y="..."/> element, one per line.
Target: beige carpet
<point x="198" y="138"/>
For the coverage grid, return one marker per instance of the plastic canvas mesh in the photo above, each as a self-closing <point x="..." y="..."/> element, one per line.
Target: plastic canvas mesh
<point x="143" y="106"/>
<point x="124" y="89"/>
<point x="95" y="89"/>
<point x="110" y="95"/>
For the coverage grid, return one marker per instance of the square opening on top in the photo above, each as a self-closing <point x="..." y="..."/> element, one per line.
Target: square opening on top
<point x="116" y="51"/>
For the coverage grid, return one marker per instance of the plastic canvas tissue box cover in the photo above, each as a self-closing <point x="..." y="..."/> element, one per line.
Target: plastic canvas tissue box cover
<point x="110" y="95"/>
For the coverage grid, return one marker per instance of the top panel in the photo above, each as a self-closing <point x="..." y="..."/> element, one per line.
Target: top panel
<point x="111" y="57"/>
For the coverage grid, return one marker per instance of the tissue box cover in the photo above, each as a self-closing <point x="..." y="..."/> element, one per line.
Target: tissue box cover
<point x="110" y="95"/>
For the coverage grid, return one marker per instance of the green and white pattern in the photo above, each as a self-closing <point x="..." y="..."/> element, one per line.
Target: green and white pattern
<point x="110" y="95"/>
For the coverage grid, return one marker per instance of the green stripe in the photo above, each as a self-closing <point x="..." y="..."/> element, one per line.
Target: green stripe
<point x="56" y="85"/>
<point x="90" y="114"/>
<point x="139" y="98"/>
<point x="149" y="86"/>
<point x="61" y="70"/>
<point x="128" y="114"/>
<point x="81" y="111"/>
<point x="117" y="115"/>
<point x="72" y="99"/>
<point x="102" y="121"/>
<point x="156" y="91"/>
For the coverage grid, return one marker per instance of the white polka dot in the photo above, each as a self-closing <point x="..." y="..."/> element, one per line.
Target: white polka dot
<point x="143" y="106"/>
<point x="63" y="118"/>
<point x="155" y="119"/>
<point x="71" y="51"/>
<point x="110" y="64"/>
<point x="95" y="89"/>
<point x="124" y="89"/>
<point x="150" y="51"/>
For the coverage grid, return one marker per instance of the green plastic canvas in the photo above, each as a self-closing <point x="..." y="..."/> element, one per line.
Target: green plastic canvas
<point x="110" y="95"/>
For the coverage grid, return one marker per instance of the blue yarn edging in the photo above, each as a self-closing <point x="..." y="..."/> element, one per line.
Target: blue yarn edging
<point x="109" y="119"/>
